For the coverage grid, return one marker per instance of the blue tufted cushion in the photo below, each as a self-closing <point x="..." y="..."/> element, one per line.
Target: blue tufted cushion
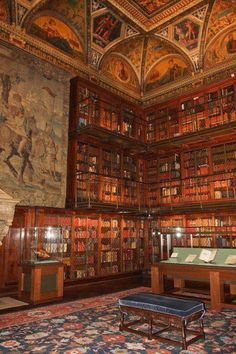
<point x="162" y="304"/>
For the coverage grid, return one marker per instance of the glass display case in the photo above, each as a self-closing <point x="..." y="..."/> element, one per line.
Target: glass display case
<point x="41" y="244"/>
<point x="41" y="271"/>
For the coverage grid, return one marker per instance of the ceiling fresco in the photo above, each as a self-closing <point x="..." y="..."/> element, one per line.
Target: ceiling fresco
<point x="56" y="33"/>
<point x="119" y="69"/>
<point x="3" y="11"/>
<point x="142" y="46"/>
<point x="165" y="71"/>
<point x="221" y="49"/>
<point x="222" y="16"/>
<point x="132" y="51"/>
<point x="106" y="29"/>
<point x="150" y="7"/>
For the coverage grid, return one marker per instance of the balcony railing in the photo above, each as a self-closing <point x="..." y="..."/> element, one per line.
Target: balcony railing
<point x="118" y="192"/>
<point x="94" y="189"/>
<point x="203" y="189"/>
<point x="99" y="113"/>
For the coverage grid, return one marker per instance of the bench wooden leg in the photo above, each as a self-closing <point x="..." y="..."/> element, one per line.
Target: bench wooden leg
<point x="150" y="329"/>
<point x="202" y="328"/>
<point x="122" y="318"/>
<point x="184" y="334"/>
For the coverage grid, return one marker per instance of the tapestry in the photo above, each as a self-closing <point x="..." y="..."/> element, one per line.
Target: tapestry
<point x="34" y="101"/>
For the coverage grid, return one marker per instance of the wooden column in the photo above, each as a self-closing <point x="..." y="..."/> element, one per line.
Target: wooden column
<point x="216" y="289"/>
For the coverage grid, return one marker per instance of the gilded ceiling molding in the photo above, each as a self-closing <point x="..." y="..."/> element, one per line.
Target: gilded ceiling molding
<point x="157" y="20"/>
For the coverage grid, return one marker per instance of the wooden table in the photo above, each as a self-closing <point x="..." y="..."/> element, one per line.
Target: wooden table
<point x="216" y="275"/>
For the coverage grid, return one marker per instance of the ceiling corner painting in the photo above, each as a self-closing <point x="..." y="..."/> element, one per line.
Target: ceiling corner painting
<point x="3" y="11"/>
<point x="56" y="33"/>
<point x="223" y="15"/>
<point x="132" y="50"/>
<point x="186" y="33"/>
<point x="221" y="49"/>
<point x="106" y="29"/>
<point x="155" y="50"/>
<point x="118" y="68"/>
<point x="165" y="71"/>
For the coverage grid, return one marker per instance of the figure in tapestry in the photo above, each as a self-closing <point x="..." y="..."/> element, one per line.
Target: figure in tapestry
<point x="31" y="134"/>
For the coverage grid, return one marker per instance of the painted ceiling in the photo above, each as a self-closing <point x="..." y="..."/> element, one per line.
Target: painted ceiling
<point x="139" y="46"/>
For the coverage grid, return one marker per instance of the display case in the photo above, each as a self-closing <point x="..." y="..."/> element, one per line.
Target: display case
<point x="41" y="244"/>
<point x="41" y="272"/>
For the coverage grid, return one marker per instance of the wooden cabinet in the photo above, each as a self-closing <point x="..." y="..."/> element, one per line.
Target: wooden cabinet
<point x="41" y="282"/>
<point x="94" y="245"/>
<point x="199" y="229"/>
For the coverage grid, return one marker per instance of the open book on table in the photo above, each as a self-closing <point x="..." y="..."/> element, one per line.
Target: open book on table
<point x="207" y="255"/>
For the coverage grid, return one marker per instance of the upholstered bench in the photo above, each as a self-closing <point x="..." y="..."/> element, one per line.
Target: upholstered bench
<point x="168" y="311"/>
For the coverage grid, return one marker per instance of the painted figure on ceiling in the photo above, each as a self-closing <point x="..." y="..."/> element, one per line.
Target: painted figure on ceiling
<point x="186" y="33"/>
<point x="119" y="69"/>
<point x="231" y="44"/>
<point x="172" y="73"/>
<point x="152" y="5"/>
<point x="220" y="49"/>
<point x="3" y="11"/>
<point x="166" y="71"/>
<point x="106" y="28"/>
<point x="56" y="33"/>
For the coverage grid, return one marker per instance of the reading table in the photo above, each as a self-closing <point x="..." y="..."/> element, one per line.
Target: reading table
<point x="216" y="272"/>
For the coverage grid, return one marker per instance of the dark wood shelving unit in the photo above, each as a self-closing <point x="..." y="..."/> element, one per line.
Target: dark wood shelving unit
<point x="136" y="174"/>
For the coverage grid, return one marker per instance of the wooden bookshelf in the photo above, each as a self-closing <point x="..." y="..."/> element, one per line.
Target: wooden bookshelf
<point x="210" y="108"/>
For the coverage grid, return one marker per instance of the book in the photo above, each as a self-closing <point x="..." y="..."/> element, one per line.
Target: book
<point x="174" y="255"/>
<point x="190" y="258"/>
<point x="207" y="255"/>
<point x="231" y="259"/>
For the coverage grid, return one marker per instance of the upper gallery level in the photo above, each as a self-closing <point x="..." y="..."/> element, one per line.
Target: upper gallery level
<point x="186" y="120"/>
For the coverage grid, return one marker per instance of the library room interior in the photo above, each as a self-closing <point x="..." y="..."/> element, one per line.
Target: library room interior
<point x="118" y="176"/>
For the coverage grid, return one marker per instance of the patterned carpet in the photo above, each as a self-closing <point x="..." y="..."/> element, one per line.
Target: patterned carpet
<point x="91" y="326"/>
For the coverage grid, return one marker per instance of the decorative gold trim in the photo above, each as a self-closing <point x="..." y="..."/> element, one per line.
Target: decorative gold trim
<point x="157" y="20"/>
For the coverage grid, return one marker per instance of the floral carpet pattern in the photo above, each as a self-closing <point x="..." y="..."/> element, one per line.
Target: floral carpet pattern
<point x="92" y="326"/>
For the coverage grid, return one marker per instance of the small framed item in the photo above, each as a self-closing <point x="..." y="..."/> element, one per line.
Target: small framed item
<point x="231" y="259"/>
<point x="190" y="258"/>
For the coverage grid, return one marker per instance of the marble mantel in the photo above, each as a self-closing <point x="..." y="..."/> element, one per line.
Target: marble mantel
<point x="7" y="210"/>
